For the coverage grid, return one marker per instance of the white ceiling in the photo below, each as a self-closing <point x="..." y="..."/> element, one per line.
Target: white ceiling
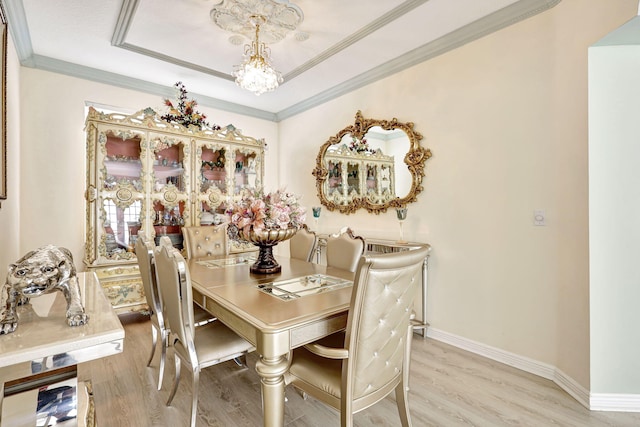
<point x="149" y="45"/>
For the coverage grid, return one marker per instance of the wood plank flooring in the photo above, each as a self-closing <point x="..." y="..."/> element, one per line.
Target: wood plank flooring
<point x="449" y="387"/>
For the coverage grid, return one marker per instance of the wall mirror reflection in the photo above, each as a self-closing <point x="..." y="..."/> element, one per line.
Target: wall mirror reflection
<point x="373" y="165"/>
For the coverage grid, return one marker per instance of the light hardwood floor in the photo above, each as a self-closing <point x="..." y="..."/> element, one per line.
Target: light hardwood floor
<point x="449" y="387"/>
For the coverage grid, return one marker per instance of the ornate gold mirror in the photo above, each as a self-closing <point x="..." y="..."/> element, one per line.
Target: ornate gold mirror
<point x="373" y="164"/>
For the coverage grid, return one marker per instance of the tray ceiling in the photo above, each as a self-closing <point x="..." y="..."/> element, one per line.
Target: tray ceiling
<point x="340" y="45"/>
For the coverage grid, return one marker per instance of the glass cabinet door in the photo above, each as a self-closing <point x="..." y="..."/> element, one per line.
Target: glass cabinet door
<point x="122" y="193"/>
<point x="122" y="161"/>
<point x="212" y="183"/>
<point x="121" y="225"/>
<point x="245" y="174"/>
<point x="170" y="187"/>
<point x="213" y="173"/>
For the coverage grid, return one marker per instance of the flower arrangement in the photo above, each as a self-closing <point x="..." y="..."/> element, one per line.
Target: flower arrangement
<point x="185" y="113"/>
<point x="360" y="146"/>
<point x="258" y="211"/>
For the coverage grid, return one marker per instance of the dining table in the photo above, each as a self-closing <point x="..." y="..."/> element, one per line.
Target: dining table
<point x="275" y="312"/>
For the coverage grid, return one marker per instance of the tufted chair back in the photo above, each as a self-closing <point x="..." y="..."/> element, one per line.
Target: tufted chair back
<point x="206" y="240"/>
<point x="302" y="244"/>
<point x="385" y="289"/>
<point x="376" y="346"/>
<point x="344" y="250"/>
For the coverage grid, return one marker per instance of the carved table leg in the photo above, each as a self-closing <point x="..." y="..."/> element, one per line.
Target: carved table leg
<point x="271" y="370"/>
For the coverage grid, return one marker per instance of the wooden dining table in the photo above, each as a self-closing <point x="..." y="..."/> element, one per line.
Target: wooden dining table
<point x="275" y="325"/>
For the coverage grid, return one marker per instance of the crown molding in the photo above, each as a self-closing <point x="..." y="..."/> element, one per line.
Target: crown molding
<point x="388" y="17"/>
<point x="491" y="23"/>
<point x="127" y="12"/>
<point x="176" y="61"/>
<point x="509" y="15"/>
<point x="113" y="79"/>
<point x="19" y="30"/>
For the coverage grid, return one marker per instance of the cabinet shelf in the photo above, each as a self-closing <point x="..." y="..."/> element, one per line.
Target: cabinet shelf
<point x="129" y="169"/>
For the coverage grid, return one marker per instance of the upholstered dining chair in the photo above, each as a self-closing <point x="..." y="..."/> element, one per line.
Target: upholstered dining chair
<point x="376" y="348"/>
<point x="199" y="347"/>
<point x="344" y="250"/>
<point x="145" y="254"/>
<point x="205" y="240"/>
<point x="302" y="245"/>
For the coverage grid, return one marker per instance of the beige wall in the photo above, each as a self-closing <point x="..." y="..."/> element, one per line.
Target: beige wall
<point x="52" y="163"/>
<point x="506" y="120"/>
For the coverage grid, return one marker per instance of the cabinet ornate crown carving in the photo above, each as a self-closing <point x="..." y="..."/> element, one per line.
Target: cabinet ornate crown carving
<point x="146" y="174"/>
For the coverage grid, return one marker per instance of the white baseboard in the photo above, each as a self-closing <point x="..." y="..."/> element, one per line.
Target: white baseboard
<point x="615" y="402"/>
<point x="595" y="402"/>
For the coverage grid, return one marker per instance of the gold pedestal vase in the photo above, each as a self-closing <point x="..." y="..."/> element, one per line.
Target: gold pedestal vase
<point x="265" y="240"/>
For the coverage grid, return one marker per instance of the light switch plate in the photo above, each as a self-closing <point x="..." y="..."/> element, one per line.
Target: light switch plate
<point x="539" y="217"/>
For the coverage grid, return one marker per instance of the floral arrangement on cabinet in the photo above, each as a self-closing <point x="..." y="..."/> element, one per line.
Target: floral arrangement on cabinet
<point x="185" y="112"/>
<point x="257" y="211"/>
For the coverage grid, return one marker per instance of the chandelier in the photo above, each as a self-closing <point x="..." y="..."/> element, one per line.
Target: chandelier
<point x="256" y="73"/>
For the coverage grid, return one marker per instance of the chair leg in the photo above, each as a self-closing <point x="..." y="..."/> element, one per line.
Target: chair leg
<point x="194" y="400"/>
<point x="346" y="418"/>
<point x="154" y="342"/>
<point x="402" y="389"/>
<point x="241" y="361"/>
<point x="403" y="405"/>
<point x="176" y="380"/>
<point x="164" y="336"/>
<point x="302" y="393"/>
<point x="407" y="357"/>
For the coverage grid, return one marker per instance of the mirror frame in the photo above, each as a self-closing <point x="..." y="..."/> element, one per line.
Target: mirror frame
<point x="414" y="159"/>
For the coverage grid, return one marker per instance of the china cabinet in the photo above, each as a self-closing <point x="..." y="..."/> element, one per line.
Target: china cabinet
<point x="147" y="174"/>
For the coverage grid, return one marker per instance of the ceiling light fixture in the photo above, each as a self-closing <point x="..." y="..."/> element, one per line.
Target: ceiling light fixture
<point x="256" y="73"/>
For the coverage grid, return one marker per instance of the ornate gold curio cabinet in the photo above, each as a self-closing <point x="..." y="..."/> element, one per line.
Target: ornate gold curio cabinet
<point x="144" y="174"/>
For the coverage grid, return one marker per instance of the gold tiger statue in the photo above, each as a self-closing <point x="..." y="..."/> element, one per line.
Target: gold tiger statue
<point x="47" y="269"/>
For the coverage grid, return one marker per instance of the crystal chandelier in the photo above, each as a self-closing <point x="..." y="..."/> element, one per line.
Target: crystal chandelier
<point x="256" y="73"/>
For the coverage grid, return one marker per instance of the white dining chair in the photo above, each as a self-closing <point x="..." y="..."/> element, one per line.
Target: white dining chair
<point x="303" y="244"/>
<point x="373" y="358"/>
<point x="205" y="240"/>
<point x="199" y="347"/>
<point x="145" y="255"/>
<point x="160" y="328"/>
<point x="344" y="250"/>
